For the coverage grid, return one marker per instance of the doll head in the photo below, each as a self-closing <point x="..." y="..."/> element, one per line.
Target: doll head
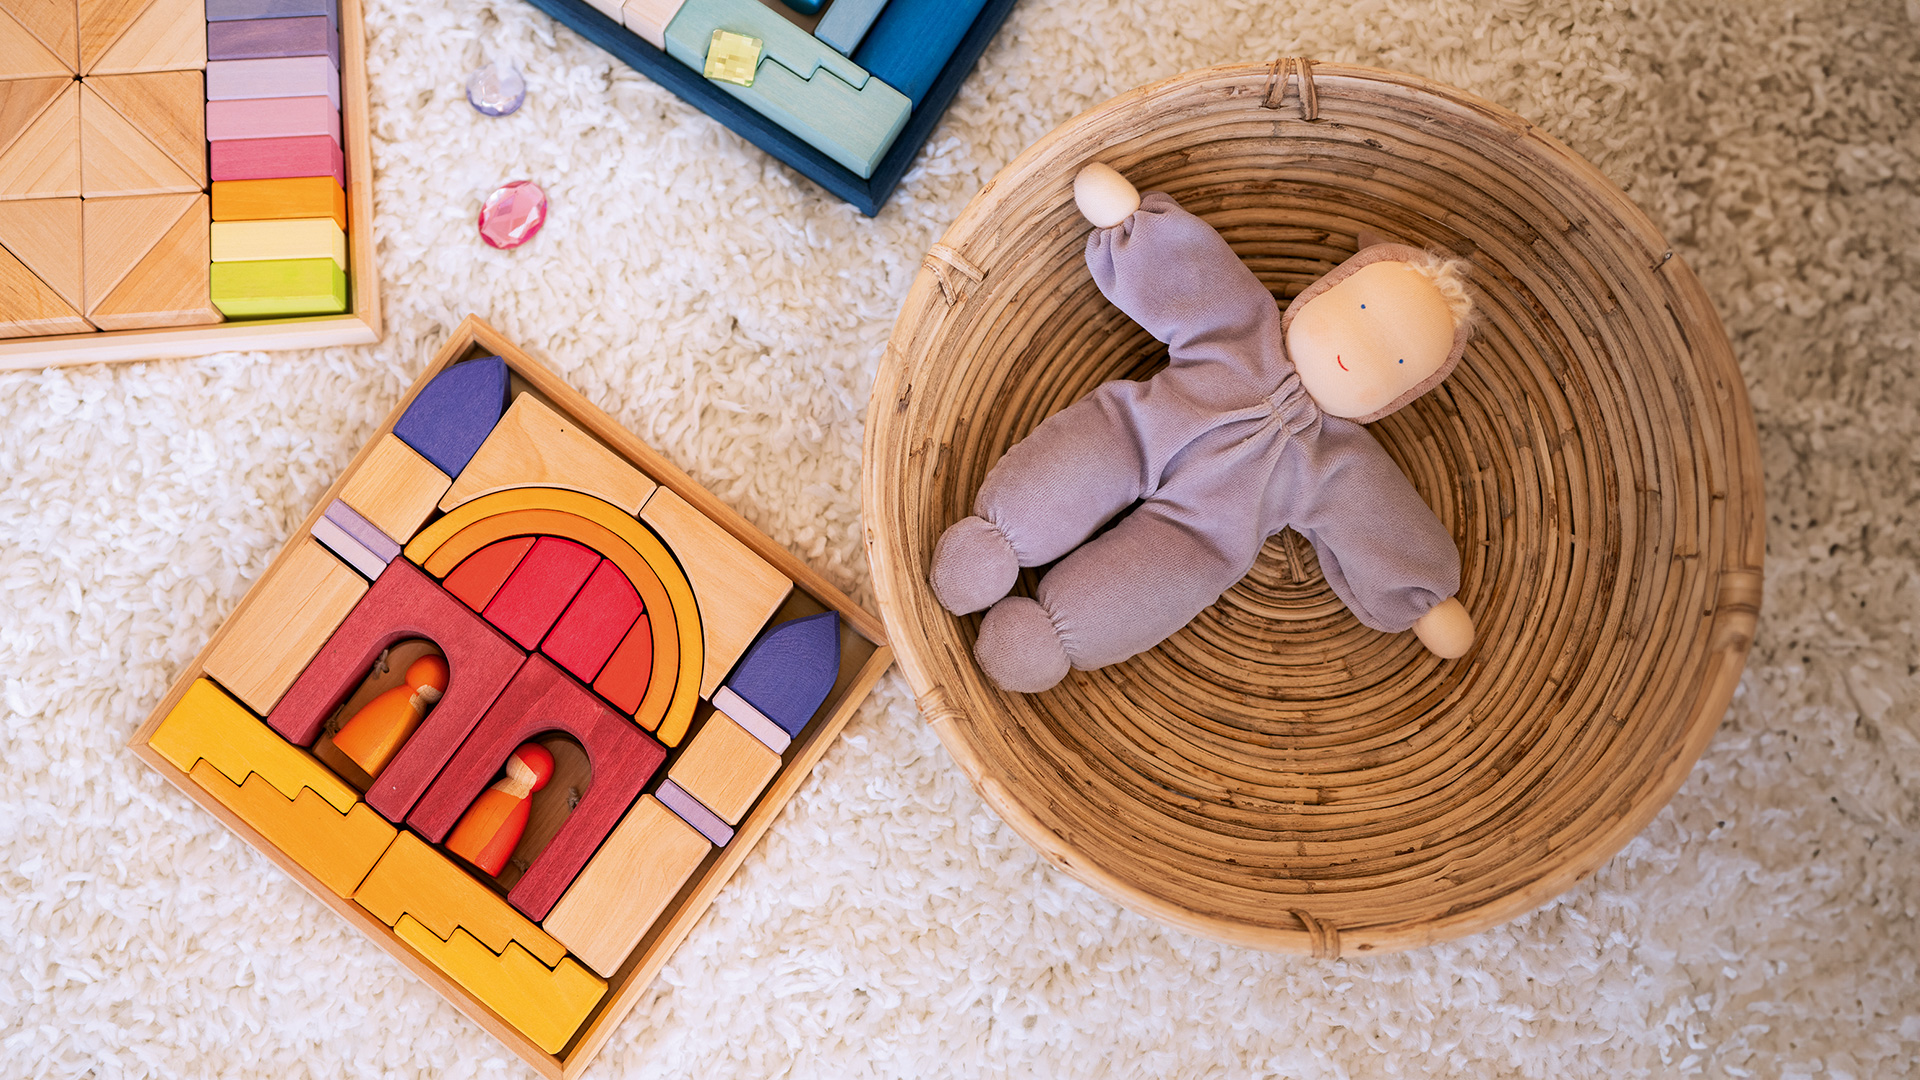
<point x="1383" y="328"/>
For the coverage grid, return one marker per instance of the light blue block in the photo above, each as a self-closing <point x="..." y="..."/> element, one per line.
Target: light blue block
<point x="846" y="22"/>
<point x="801" y="83"/>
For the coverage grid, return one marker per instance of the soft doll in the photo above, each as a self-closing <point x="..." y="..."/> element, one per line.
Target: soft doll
<point x="1253" y="426"/>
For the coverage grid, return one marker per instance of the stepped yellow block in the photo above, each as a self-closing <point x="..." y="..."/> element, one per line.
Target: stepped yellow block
<point x="337" y="848"/>
<point x="547" y="1005"/>
<point x="209" y="726"/>
<point x="412" y="879"/>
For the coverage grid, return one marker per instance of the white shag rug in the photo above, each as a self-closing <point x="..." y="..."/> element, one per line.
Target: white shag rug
<point x="889" y="925"/>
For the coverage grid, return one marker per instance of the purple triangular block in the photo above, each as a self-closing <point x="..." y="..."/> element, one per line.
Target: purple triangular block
<point x="456" y="412"/>
<point x="790" y="670"/>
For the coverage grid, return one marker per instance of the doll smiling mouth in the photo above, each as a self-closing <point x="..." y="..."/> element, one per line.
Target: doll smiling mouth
<point x="1342" y="363"/>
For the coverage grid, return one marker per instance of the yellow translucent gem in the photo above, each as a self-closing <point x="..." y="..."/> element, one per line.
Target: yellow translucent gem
<point x="732" y="57"/>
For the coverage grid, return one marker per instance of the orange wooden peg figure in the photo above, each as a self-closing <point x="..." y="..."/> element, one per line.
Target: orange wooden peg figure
<point x="491" y="828"/>
<point x="375" y="733"/>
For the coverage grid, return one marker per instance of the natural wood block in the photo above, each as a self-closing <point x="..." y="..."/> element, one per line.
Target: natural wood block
<point x="533" y="445"/>
<point x="166" y="107"/>
<point x="414" y="879"/>
<point x="164" y="35"/>
<point x="101" y="24"/>
<point x="395" y="488"/>
<point x="476" y="580"/>
<point x="273" y="118"/>
<point x="540" y="588"/>
<point x="629" y="882"/>
<point x="118" y="233"/>
<point x="283" y="623"/>
<point x="289" y="197"/>
<point x="337" y="848"/>
<point x="289" y="77"/>
<point x="738" y="591"/>
<point x="23" y="55"/>
<point x="250" y="39"/>
<point x="279" y="287"/>
<point x="117" y="158"/>
<point x="30" y="307"/>
<point x="647" y="18"/>
<point x="293" y="238"/>
<point x="277" y="159"/>
<point x="169" y="286"/>
<point x="725" y="767"/>
<point x="594" y="623"/>
<point x="39" y="139"/>
<point x="55" y="24"/>
<point x="44" y="234"/>
<point x="546" y="1005"/>
<point x="209" y="725"/>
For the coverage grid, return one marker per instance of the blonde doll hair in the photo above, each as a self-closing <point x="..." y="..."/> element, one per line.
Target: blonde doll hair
<point x="1449" y="275"/>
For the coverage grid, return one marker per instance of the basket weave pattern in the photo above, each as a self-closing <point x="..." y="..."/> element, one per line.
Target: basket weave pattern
<point x="1276" y="774"/>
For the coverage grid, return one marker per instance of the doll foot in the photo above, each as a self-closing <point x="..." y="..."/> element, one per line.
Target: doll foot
<point x="1019" y="649"/>
<point x="972" y="567"/>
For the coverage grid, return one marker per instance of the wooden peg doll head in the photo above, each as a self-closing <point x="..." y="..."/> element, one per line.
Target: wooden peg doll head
<point x="491" y="828"/>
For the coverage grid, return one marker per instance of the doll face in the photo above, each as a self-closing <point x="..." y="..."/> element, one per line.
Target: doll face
<point x="1364" y="342"/>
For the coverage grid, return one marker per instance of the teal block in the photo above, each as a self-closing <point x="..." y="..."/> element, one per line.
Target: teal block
<point x="802" y="84"/>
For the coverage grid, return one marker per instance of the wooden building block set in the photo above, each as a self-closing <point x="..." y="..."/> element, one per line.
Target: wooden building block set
<point x="845" y="92"/>
<point x="518" y="698"/>
<point x="174" y="171"/>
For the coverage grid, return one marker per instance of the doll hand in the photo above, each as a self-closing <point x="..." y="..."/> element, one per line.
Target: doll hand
<point x="1104" y="197"/>
<point x="1446" y="630"/>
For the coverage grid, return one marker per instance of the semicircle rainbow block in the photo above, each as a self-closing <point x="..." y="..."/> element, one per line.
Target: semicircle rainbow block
<point x="790" y="670"/>
<point x="454" y="414"/>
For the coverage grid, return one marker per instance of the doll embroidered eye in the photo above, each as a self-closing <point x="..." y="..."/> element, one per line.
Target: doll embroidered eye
<point x="1363" y="307"/>
<point x="1403" y="359"/>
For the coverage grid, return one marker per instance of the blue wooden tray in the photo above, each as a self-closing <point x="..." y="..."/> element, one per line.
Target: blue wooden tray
<point x="866" y="195"/>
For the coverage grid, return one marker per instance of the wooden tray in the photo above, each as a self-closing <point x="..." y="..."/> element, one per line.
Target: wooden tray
<point x="865" y="655"/>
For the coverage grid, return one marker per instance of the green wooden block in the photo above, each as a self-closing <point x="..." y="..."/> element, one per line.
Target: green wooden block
<point x="802" y="84"/>
<point x="279" y="287"/>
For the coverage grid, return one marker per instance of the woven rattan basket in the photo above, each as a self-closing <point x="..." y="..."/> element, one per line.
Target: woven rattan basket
<point x="1277" y="775"/>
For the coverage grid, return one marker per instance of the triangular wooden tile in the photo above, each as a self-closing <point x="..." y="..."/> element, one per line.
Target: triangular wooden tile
<point x="169" y="107"/>
<point x="116" y="158"/>
<point x="45" y="235"/>
<point x="101" y="24"/>
<point x="117" y="233"/>
<point x="22" y="101"/>
<point x="29" y="306"/>
<point x="23" y="55"/>
<point x="171" y="286"/>
<point x="45" y="159"/>
<point x="55" y="22"/>
<point x="167" y="35"/>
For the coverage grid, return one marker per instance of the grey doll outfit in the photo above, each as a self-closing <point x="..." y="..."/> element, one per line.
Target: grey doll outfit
<point x="1221" y="450"/>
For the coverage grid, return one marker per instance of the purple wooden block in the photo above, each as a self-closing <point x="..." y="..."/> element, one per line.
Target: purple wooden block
<point x="288" y="77"/>
<point x="229" y="10"/>
<point x="275" y="159"/>
<point x="384" y="547"/>
<point x="250" y="39"/>
<point x="455" y="413"/>
<point x="272" y="118"/>
<point x="790" y="670"/>
<point x="693" y="812"/>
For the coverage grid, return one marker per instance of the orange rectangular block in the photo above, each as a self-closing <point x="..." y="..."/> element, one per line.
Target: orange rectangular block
<point x="271" y="200"/>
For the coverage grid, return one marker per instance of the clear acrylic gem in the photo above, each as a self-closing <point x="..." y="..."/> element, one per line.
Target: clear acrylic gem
<point x="513" y="214"/>
<point x="497" y="88"/>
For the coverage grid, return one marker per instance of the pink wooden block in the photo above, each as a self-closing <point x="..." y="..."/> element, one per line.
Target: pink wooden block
<point x="294" y="76"/>
<point x="540" y="588"/>
<point x="272" y="118"/>
<point x="278" y="159"/>
<point x="594" y="623"/>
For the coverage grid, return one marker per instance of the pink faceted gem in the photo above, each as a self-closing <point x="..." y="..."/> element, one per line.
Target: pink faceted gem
<point x="513" y="214"/>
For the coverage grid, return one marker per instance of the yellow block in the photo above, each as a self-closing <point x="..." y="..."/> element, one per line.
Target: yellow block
<point x="414" y="879"/>
<point x="209" y="725"/>
<point x="289" y="238"/>
<point x="548" y="1006"/>
<point x="339" y="850"/>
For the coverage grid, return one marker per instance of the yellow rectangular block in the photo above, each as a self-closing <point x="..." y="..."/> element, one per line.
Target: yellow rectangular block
<point x="337" y="848"/>
<point x="287" y="616"/>
<point x="414" y="879"/>
<point x="532" y="444"/>
<point x="292" y="238"/>
<point x="738" y="590"/>
<point x="209" y="726"/>
<point x="626" y="885"/>
<point x="725" y="767"/>
<point x="547" y="1005"/>
<point x="395" y="488"/>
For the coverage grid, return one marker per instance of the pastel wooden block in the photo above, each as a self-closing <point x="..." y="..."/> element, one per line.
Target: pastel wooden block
<point x="646" y="18"/>
<point x="164" y="107"/>
<point x="627" y="674"/>
<point x="119" y="232"/>
<point x="30" y="307"/>
<point x="293" y="238"/>
<point x="476" y="580"/>
<point x="120" y="36"/>
<point x="546" y="1005"/>
<point x="39" y="138"/>
<point x="790" y="670"/>
<point x="349" y="548"/>
<point x="624" y="889"/>
<point x="414" y="879"/>
<point x="912" y="41"/>
<point x="403" y="604"/>
<point x="229" y="10"/>
<point x="286" y="619"/>
<point x="118" y="157"/>
<point x="725" y="767"/>
<point x="594" y="624"/>
<point x="395" y="488"/>
<point x="337" y="848"/>
<point x="278" y="287"/>
<point x="378" y="544"/>
<point x="540" y="588"/>
<point x="846" y="24"/>
<point x="44" y="235"/>
<point x="277" y="159"/>
<point x="542" y="698"/>
<point x="273" y="118"/>
<point x="209" y="726"/>
<point x="801" y="83"/>
<point x="752" y="719"/>
<point x="737" y="590"/>
<point x="453" y="415"/>
<point x="31" y="31"/>
<point x="694" y="812"/>
<point x="289" y="77"/>
<point x="289" y="197"/>
<point x="252" y="39"/>
<point x="533" y="445"/>
<point x="170" y="285"/>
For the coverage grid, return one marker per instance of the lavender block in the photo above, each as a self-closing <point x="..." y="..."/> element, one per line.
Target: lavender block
<point x="251" y="39"/>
